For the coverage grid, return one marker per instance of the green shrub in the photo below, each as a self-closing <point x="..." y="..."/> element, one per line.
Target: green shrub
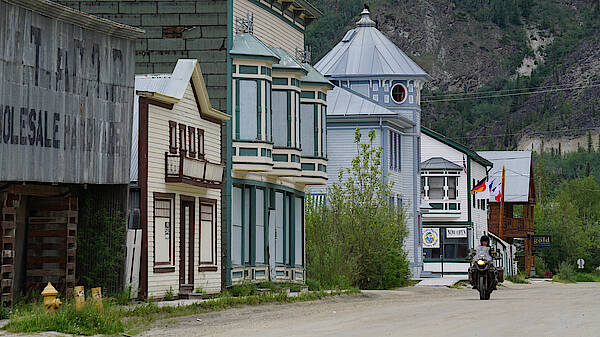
<point x="123" y="297"/>
<point x="244" y="289"/>
<point x="90" y="321"/>
<point x="566" y="271"/>
<point x="169" y="294"/>
<point x="518" y="278"/>
<point x="356" y="238"/>
<point x="313" y="285"/>
<point x="540" y="266"/>
<point x="587" y="277"/>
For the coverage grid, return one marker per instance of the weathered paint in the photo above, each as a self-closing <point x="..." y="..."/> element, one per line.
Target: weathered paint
<point x="66" y="96"/>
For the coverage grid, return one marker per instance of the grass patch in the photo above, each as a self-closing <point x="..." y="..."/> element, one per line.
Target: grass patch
<point x="557" y="278"/>
<point x="90" y="321"/>
<point x="459" y="285"/>
<point x="587" y="277"/>
<point x="114" y="319"/>
<point x="517" y="279"/>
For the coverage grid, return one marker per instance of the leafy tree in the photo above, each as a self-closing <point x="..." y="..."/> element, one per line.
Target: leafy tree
<point x="357" y="237"/>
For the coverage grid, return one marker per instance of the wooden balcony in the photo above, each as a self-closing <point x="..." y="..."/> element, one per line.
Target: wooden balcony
<point x="513" y="228"/>
<point x="197" y="172"/>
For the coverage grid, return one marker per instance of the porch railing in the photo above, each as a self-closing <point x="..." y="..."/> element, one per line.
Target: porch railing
<point x="180" y="167"/>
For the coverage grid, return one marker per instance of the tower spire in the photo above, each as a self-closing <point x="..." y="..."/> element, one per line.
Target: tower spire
<point x="365" y="18"/>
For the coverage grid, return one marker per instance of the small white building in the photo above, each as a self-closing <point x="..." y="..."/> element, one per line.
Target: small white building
<point x="176" y="182"/>
<point x="456" y="218"/>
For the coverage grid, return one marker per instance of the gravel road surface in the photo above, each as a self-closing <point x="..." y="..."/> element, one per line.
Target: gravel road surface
<point x="540" y="309"/>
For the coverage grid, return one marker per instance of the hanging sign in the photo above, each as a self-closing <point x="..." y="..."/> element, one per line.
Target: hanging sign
<point x="431" y="238"/>
<point x="542" y="240"/>
<point x="454" y="233"/>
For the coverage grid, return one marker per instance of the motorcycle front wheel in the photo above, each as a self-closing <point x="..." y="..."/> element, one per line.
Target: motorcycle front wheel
<point x="482" y="289"/>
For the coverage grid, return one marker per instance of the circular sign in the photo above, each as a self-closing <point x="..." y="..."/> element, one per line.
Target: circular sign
<point x="431" y="238"/>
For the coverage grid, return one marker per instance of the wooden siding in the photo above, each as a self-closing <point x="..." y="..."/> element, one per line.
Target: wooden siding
<point x="186" y="112"/>
<point x="67" y="92"/>
<point x="269" y="27"/>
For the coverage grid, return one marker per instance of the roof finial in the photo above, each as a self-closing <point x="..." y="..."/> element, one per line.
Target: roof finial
<point x="365" y="19"/>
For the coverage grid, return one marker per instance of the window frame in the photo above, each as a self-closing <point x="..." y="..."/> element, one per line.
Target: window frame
<point x="191" y="142"/>
<point x="201" y="149"/>
<point x="164" y="266"/>
<point x="213" y="205"/>
<point x="182" y="139"/>
<point x="173" y="137"/>
<point x="405" y="93"/>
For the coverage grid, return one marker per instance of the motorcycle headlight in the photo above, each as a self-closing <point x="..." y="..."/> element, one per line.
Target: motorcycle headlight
<point x="480" y="262"/>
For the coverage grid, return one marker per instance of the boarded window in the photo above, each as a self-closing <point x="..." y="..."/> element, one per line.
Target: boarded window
<point x="172" y="137"/>
<point x="208" y="239"/>
<point x="192" y="142"/>
<point x="200" y="143"/>
<point x="182" y="139"/>
<point x="248" y="109"/>
<point x="164" y="238"/>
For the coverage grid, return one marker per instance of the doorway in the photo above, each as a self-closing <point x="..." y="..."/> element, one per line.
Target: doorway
<point x="186" y="244"/>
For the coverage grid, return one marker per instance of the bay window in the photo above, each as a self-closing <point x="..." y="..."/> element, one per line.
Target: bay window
<point x="310" y="129"/>
<point x="281" y="117"/>
<point x="297" y="143"/>
<point x="440" y="185"/>
<point x="248" y="110"/>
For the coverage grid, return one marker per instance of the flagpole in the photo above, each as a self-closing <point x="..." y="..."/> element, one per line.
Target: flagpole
<point x="501" y="225"/>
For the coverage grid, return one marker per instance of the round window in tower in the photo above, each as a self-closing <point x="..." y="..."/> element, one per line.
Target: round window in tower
<point x="399" y="93"/>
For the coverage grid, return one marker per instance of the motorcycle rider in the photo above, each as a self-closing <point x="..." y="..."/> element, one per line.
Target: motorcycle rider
<point x="486" y="252"/>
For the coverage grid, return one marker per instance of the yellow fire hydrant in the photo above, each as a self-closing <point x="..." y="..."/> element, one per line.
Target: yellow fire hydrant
<point x="50" y="300"/>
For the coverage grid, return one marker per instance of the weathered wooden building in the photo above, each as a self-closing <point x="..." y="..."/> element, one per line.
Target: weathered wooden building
<point x="177" y="176"/>
<point x="517" y="220"/>
<point x="66" y="98"/>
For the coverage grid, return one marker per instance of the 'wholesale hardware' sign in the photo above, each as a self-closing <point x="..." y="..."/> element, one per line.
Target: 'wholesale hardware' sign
<point x="66" y="100"/>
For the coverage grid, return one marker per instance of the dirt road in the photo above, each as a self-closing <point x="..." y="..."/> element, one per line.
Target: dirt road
<point x="543" y="309"/>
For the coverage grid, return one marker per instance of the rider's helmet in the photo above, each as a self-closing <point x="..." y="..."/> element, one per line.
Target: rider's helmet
<point x="484" y="238"/>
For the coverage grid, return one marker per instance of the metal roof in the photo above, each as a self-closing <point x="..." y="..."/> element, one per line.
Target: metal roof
<point x="63" y="13"/>
<point x="366" y="52"/>
<point x="517" y="173"/>
<point x="314" y="77"/>
<point x="439" y="163"/>
<point x="342" y="102"/>
<point x="287" y="61"/>
<point x="246" y="44"/>
<point x="460" y="147"/>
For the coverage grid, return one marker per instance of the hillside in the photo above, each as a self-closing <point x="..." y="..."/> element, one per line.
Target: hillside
<point x="490" y="45"/>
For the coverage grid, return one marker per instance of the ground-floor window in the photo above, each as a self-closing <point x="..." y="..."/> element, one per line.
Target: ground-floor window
<point x="164" y="230"/>
<point x="454" y="248"/>
<point x="208" y="239"/>
<point x="267" y="226"/>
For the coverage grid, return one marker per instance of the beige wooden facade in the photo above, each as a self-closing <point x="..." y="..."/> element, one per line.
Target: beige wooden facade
<point x="183" y="204"/>
<point x="281" y="32"/>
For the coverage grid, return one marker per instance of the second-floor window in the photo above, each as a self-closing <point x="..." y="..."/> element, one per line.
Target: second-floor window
<point x="395" y="152"/>
<point x="185" y="139"/>
<point x="440" y="186"/>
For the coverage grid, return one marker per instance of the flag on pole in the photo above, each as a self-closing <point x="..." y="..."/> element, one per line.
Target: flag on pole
<point x="464" y="164"/>
<point x="479" y="187"/>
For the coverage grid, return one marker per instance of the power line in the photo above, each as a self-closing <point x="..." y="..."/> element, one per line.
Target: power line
<point x="511" y="94"/>
<point x="486" y="92"/>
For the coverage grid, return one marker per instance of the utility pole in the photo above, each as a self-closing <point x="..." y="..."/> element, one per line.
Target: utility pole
<point x="501" y="224"/>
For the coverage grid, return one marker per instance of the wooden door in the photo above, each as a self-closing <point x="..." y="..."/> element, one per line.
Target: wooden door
<point x="186" y="244"/>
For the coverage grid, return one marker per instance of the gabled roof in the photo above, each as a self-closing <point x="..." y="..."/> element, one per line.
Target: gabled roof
<point x="249" y="46"/>
<point x="170" y="88"/>
<point x="84" y="20"/>
<point x="517" y="175"/>
<point x="453" y="144"/>
<point x="439" y="163"/>
<point x="287" y="62"/>
<point x="314" y="77"/>
<point x="342" y="102"/>
<point x="365" y="51"/>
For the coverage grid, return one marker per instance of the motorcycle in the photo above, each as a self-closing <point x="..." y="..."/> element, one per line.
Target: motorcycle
<point x="483" y="274"/>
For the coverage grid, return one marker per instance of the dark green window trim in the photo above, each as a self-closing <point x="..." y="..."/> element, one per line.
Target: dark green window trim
<point x="322" y="168"/>
<point x="280" y="81"/>
<point x="280" y="157"/>
<point x="316" y="130"/>
<point x="263" y="70"/>
<point x="308" y="167"/>
<point x="289" y="118"/>
<point x="259" y="110"/>
<point x="263" y="152"/>
<point x="233" y="69"/>
<point x="269" y="72"/>
<point x="292" y="228"/>
<point x="308" y="94"/>
<point x="269" y="153"/>
<point x="237" y="109"/>
<point x="253" y="225"/>
<point x="250" y="70"/>
<point x="436" y="205"/>
<point x="248" y="152"/>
